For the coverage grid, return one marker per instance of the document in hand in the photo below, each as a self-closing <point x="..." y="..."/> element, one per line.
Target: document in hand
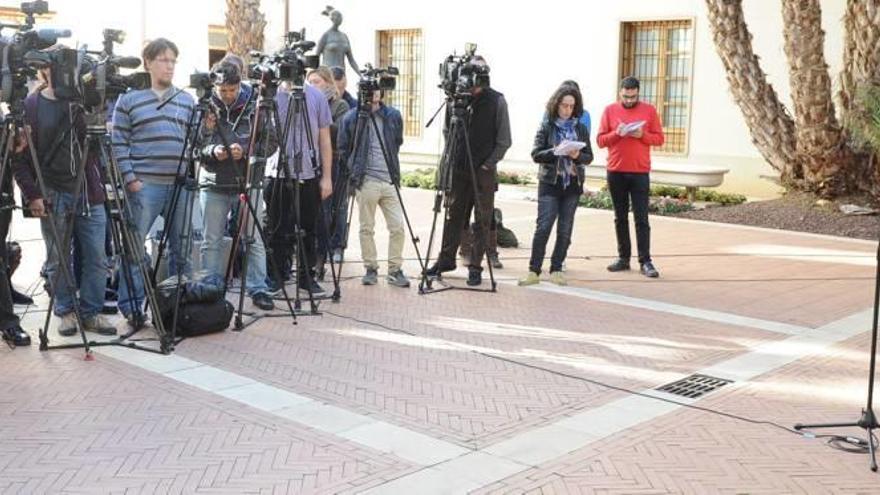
<point x="633" y="126"/>
<point x="566" y="147"/>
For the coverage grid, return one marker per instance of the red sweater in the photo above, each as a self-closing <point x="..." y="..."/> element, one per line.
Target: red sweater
<point x="628" y="153"/>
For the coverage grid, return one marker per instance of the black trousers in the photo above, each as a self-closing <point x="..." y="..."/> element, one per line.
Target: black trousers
<point x="281" y="223"/>
<point x="8" y="319"/>
<point x="461" y="203"/>
<point x="629" y="188"/>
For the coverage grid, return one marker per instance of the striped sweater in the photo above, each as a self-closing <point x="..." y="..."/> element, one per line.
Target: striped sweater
<point x="148" y="143"/>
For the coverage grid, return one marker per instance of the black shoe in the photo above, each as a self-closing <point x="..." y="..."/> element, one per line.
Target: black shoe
<point x="475" y="276"/>
<point x="19" y="298"/>
<point x="263" y="301"/>
<point x="649" y="271"/>
<point x="16" y="337"/>
<point x="619" y="265"/>
<point x="316" y="290"/>
<point x="439" y="268"/>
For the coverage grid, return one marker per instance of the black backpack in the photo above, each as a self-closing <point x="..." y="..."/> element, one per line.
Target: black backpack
<point x="203" y="306"/>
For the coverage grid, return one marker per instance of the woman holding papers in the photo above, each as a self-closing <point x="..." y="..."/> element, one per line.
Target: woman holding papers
<point x="561" y="149"/>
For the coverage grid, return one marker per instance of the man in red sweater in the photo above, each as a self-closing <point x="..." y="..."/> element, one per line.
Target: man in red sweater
<point x="629" y="129"/>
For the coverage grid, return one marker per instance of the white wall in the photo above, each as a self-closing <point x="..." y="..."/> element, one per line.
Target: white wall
<point x="527" y="48"/>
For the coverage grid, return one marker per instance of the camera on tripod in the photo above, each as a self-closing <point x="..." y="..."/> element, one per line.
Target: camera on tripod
<point x="460" y="75"/>
<point x="15" y="49"/>
<point x="286" y="65"/>
<point x="375" y="79"/>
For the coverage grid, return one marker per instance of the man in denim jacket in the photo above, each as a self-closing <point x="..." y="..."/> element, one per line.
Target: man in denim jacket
<point x="375" y="176"/>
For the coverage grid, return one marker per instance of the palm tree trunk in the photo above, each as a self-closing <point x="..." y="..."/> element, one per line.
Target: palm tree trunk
<point x="771" y="127"/>
<point x="822" y="148"/>
<point x="244" y="25"/>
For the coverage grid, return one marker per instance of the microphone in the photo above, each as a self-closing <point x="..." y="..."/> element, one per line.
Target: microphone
<point x="125" y="62"/>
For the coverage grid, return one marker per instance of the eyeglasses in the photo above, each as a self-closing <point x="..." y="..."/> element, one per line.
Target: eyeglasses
<point x="629" y="97"/>
<point x="566" y="105"/>
<point x="166" y="61"/>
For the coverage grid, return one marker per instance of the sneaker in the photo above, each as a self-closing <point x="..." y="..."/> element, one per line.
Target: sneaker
<point x="475" y="276"/>
<point x="558" y="278"/>
<point x="67" y="327"/>
<point x="337" y="255"/>
<point x="263" y="301"/>
<point x="397" y="279"/>
<point x="619" y="265"/>
<point x="316" y="289"/>
<point x="649" y="271"/>
<point x="16" y="337"/>
<point x="371" y="277"/>
<point x="99" y="325"/>
<point x="496" y="263"/>
<point x="531" y="279"/>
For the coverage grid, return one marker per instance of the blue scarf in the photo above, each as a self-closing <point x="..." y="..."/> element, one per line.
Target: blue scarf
<point x="565" y="131"/>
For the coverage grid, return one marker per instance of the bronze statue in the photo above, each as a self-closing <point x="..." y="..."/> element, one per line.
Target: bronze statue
<point x="334" y="47"/>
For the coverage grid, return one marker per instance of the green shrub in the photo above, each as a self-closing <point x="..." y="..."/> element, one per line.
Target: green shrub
<point x="514" y="178"/>
<point x="708" y="195"/>
<point x="423" y="178"/>
<point x="596" y="199"/>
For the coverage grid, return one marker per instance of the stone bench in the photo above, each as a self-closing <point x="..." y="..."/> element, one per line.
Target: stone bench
<point x="689" y="176"/>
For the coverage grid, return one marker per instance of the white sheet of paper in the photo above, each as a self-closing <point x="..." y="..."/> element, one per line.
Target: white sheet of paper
<point x="633" y="126"/>
<point x="567" y="147"/>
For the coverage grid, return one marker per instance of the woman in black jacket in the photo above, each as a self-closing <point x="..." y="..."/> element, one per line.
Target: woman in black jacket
<point x="562" y="150"/>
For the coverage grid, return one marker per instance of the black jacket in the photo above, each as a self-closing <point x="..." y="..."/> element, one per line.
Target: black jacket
<point x="542" y="152"/>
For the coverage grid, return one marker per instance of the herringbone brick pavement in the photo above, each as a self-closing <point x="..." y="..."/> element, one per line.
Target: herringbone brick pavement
<point x="697" y="452"/>
<point x="77" y="427"/>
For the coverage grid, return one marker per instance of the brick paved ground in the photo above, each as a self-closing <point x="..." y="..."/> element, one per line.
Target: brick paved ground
<point x="478" y="372"/>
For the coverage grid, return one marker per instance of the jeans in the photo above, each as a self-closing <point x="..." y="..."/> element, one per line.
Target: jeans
<point x="371" y="194"/>
<point x="625" y="187"/>
<point x="148" y="204"/>
<point x="89" y="230"/>
<point x="554" y="203"/>
<point x="216" y="206"/>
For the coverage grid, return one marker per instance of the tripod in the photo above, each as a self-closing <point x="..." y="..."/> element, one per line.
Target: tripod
<point x="458" y="135"/>
<point x="868" y="420"/>
<point x="365" y="117"/>
<point x="295" y="127"/>
<point x="248" y="221"/>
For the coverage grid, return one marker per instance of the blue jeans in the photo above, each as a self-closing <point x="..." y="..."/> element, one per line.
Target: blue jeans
<point x="215" y="207"/>
<point x="89" y="232"/>
<point x="146" y="205"/>
<point x="554" y="203"/>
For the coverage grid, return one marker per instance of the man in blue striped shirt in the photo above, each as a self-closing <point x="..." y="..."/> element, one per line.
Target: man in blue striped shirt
<point x="148" y="145"/>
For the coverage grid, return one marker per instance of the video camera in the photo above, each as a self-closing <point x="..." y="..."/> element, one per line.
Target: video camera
<point x="286" y="65"/>
<point x="16" y="49"/>
<point x="460" y="75"/>
<point x="91" y="78"/>
<point x="375" y="79"/>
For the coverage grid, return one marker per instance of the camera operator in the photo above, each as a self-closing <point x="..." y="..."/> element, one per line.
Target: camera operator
<point x="148" y="143"/>
<point x="322" y="78"/>
<point x="341" y="83"/>
<point x="59" y="134"/>
<point x="315" y="184"/>
<point x="374" y="181"/>
<point x="224" y="179"/>
<point x="488" y="127"/>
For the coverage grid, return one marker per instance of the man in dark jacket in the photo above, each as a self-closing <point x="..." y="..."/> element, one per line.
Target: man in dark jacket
<point x="488" y="126"/>
<point x="375" y="180"/>
<point x="225" y="159"/>
<point x="75" y="194"/>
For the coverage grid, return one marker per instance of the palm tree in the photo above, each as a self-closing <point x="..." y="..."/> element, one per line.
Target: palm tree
<point x="812" y="150"/>
<point x="244" y="25"/>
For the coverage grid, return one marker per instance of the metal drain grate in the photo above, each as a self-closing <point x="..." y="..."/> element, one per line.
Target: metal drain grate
<point x="694" y="386"/>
